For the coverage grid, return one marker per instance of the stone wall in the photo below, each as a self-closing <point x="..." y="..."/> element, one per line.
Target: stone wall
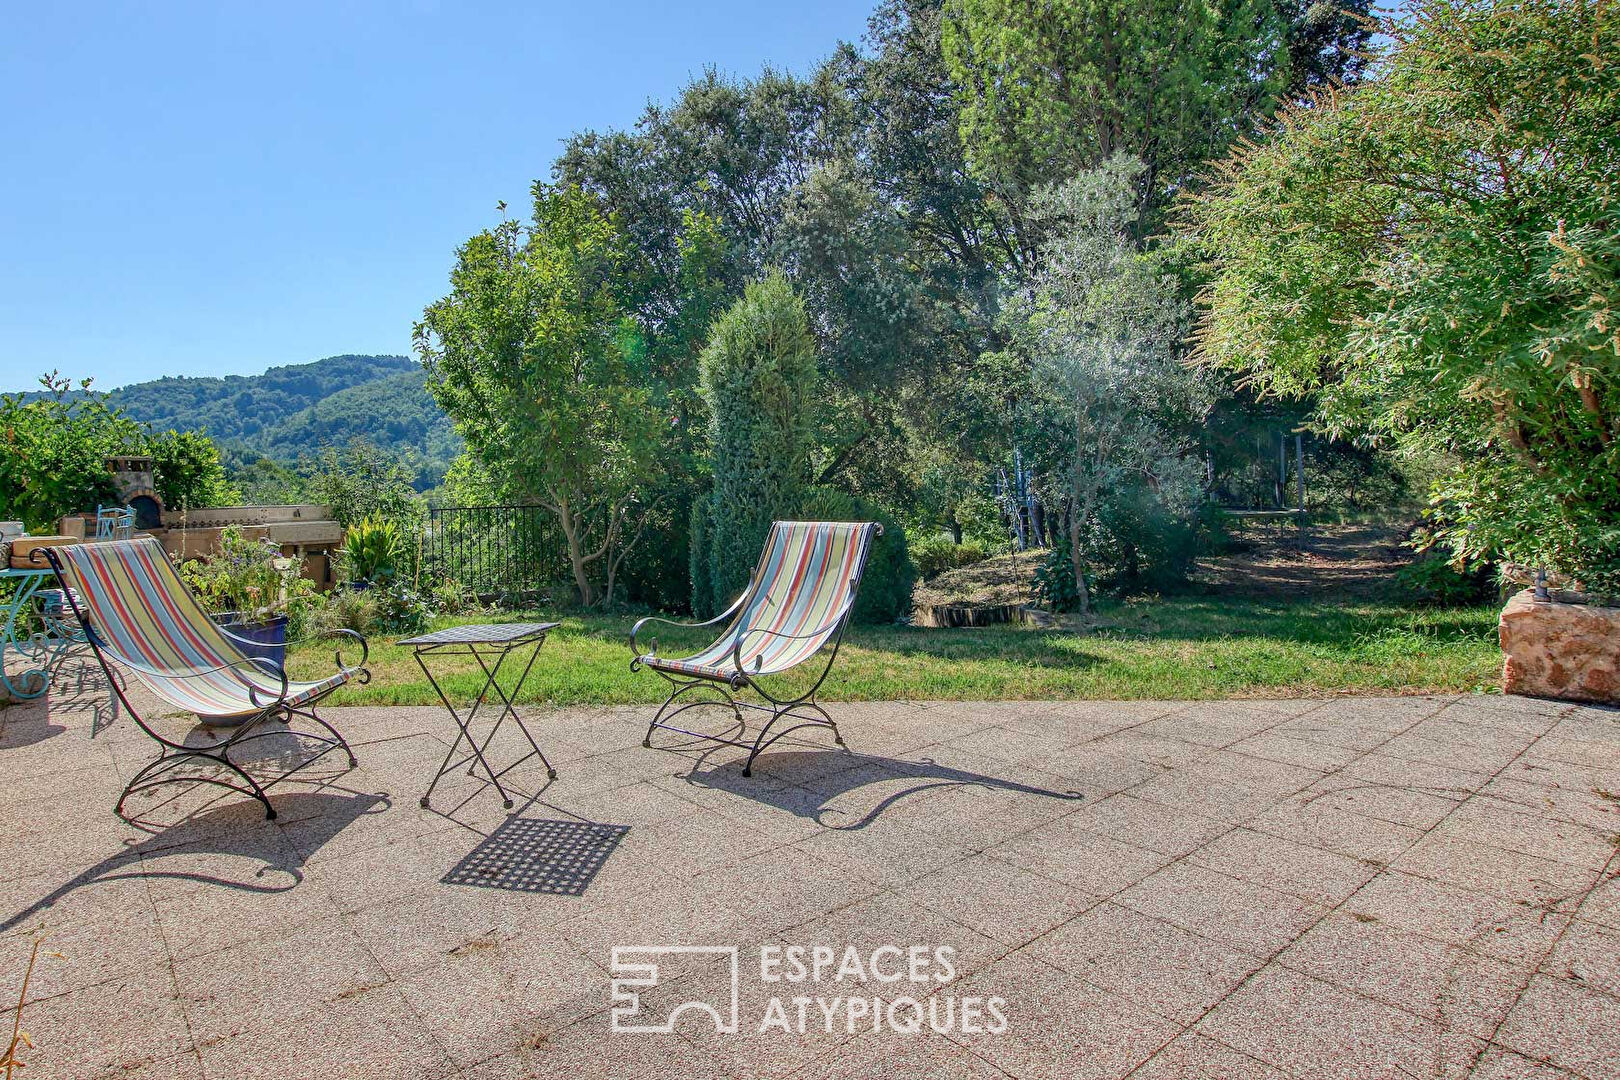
<point x="1559" y="650"/>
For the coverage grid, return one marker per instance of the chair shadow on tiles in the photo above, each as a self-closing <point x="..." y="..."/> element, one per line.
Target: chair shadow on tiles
<point x="799" y="781"/>
<point x="539" y="855"/>
<point x="226" y="845"/>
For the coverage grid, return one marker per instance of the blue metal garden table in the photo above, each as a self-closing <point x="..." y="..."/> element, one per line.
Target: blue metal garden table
<point x="36" y="649"/>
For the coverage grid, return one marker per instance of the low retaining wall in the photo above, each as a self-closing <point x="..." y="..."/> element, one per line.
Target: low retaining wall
<point x="944" y="616"/>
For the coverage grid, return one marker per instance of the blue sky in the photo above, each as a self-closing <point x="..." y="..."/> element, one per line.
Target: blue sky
<point x="204" y="189"/>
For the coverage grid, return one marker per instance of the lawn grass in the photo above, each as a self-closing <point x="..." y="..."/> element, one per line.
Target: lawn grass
<point x="1177" y="647"/>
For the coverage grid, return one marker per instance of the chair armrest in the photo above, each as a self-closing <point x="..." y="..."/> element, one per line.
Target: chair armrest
<point x="365" y="648"/>
<point x="337" y="655"/>
<point x="636" y="653"/>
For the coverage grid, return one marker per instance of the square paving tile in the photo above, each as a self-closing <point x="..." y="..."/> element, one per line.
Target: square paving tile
<point x="1197" y="1057"/>
<point x="1508" y="931"/>
<point x="1452" y="986"/>
<point x="129" y="1022"/>
<point x="1170" y="971"/>
<point x="1311" y="873"/>
<point x="999" y="900"/>
<point x="1060" y="1027"/>
<point x="1309" y="1028"/>
<point x="1567" y="1026"/>
<point x="1256" y="920"/>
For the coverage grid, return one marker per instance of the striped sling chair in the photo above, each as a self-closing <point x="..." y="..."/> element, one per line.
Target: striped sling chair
<point x="798" y="601"/>
<point x="140" y="619"/>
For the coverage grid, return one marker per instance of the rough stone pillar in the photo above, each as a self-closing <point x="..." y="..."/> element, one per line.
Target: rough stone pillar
<point x="1557" y="650"/>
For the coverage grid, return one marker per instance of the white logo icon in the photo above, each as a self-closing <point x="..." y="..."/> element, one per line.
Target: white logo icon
<point x="634" y="968"/>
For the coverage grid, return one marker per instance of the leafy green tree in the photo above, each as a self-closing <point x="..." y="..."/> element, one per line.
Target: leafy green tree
<point x="1327" y="42"/>
<point x="263" y="480"/>
<point x="529" y="354"/>
<point x="188" y="472"/>
<point x="360" y="480"/>
<point x="54" y="450"/>
<point x="1111" y="410"/>
<point x="1434" y="254"/>
<point x="759" y="378"/>
<point x="1053" y="87"/>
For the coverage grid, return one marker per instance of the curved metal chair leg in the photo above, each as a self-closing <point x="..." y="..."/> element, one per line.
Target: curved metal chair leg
<point x="760" y="742"/>
<point x="170" y="762"/>
<point x="339" y="740"/>
<point x="665" y="712"/>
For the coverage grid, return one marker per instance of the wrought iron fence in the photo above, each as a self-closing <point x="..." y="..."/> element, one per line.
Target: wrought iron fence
<point x="506" y="554"/>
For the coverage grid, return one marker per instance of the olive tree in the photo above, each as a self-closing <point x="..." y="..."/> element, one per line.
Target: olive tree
<point x="1110" y="410"/>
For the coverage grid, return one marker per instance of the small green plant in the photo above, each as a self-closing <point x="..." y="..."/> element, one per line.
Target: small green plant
<point x="344" y="609"/>
<point x="400" y="609"/>
<point x="450" y="598"/>
<point x="1054" y="580"/>
<point x="371" y="551"/>
<point x="936" y="554"/>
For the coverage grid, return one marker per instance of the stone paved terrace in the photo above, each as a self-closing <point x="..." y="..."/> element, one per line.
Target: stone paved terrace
<point x="1354" y="887"/>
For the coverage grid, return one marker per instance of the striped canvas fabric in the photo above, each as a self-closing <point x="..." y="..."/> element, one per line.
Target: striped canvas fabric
<point x="809" y="570"/>
<point x="139" y="608"/>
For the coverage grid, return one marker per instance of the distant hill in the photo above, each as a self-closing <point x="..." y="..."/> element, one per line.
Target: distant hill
<point x="238" y="408"/>
<point x="293" y="410"/>
<point x="395" y="412"/>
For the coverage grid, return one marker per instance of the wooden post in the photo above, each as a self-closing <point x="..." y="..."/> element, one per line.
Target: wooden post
<point x="1282" y="470"/>
<point x="1299" y="467"/>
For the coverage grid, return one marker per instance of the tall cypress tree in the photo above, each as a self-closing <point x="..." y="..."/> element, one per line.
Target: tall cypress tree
<point x="758" y="377"/>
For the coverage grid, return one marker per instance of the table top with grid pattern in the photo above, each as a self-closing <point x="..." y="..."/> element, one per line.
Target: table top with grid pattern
<point x="482" y="634"/>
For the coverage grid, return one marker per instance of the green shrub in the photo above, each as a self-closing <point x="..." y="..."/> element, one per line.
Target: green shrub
<point x="400" y="610"/>
<point x="933" y="555"/>
<point x="371" y="551"/>
<point x="701" y="557"/>
<point x="343" y="609"/>
<point x="1438" y="581"/>
<point x="1140" y="544"/>
<point x="386" y="610"/>
<point x="886" y="583"/>
<point x="758" y="379"/>
<point x="1054" y="580"/>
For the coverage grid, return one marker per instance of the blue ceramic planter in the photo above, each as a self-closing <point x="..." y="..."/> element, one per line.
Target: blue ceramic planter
<point x="268" y="636"/>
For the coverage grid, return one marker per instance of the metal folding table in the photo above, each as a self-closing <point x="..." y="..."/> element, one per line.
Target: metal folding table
<point x="484" y="642"/>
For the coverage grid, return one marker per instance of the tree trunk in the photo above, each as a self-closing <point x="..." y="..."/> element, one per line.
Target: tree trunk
<point x="1075" y="559"/>
<point x="576" y="556"/>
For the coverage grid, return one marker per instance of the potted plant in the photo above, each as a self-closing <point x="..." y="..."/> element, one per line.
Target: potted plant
<point x="247" y="587"/>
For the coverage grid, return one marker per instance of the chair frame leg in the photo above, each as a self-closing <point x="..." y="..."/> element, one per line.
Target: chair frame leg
<point x="177" y="763"/>
<point x="804" y="708"/>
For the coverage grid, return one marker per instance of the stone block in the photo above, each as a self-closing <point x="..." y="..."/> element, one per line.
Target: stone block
<point x="1560" y="650"/>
